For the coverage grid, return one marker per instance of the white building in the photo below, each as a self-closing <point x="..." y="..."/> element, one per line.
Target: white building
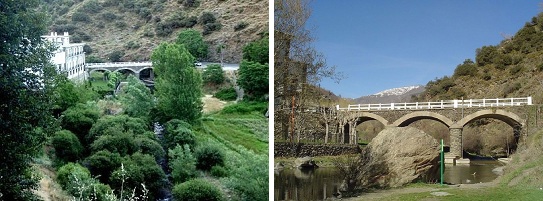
<point x="69" y="58"/>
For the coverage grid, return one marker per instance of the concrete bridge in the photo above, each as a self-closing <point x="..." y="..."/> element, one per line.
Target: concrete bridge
<point x="455" y="114"/>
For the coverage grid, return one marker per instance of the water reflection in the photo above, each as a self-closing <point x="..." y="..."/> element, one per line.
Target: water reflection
<point x="475" y="172"/>
<point x="294" y="184"/>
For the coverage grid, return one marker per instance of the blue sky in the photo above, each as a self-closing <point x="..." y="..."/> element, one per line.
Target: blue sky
<point x="380" y="45"/>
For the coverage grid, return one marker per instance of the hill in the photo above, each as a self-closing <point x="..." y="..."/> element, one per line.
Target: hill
<point x="395" y="95"/>
<point x="131" y="29"/>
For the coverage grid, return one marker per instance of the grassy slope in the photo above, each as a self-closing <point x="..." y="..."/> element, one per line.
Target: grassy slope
<point x="248" y="130"/>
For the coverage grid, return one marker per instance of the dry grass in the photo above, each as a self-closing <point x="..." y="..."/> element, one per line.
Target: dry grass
<point x="49" y="189"/>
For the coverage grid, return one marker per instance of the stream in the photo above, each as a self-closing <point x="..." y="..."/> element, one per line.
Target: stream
<point x="321" y="183"/>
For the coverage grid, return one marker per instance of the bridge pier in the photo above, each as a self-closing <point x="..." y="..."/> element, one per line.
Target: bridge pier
<point x="456" y="142"/>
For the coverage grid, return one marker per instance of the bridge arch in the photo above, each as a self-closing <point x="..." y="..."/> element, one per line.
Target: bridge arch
<point x="419" y="115"/>
<point x="129" y="69"/>
<point x="509" y="118"/>
<point x="145" y="68"/>
<point x="98" y="69"/>
<point x="367" y="116"/>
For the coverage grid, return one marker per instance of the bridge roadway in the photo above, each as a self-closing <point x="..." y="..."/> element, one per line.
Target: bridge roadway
<point x="454" y="114"/>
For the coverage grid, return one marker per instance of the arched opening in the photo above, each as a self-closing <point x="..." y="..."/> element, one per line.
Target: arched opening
<point x="491" y="133"/>
<point x="147" y="74"/>
<point x="433" y="124"/>
<point x="362" y="128"/>
<point x="125" y="72"/>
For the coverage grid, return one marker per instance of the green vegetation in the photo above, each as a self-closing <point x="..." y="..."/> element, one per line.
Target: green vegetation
<point x="26" y="84"/>
<point x="194" y="42"/>
<point x="137" y="99"/>
<point x="182" y="164"/>
<point x="226" y="94"/>
<point x="178" y="84"/>
<point x="208" y="156"/>
<point x="196" y="190"/>
<point x="491" y="193"/>
<point x="213" y="74"/>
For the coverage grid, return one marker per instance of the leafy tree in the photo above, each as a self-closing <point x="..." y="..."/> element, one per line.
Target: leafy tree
<point x="257" y="51"/>
<point x="195" y="190"/>
<point x="137" y="99"/>
<point x="178" y="133"/>
<point x="213" y="74"/>
<point x="468" y="68"/>
<point x="67" y="146"/>
<point x="194" y="42"/>
<point x="182" y="163"/>
<point x="207" y="156"/>
<point x="80" y="119"/>
<point x="178" y="84"/>
<point x="253" y="78"/>
<point x="103" y="163"/>
<point x="136" y="170"/>
<point x="116" y="56"/>
<point x="115" y="141"/>
<point x="26" y="90"/>
<point x="113" y="125"/>
<point x="68" y="94"/>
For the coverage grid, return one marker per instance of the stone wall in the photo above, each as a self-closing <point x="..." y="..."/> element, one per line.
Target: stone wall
<point x="301" y="150"/>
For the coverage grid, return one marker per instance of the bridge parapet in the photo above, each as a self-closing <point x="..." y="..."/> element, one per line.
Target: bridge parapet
<point x="119" y="64"/>
<point x="444" y="104"/>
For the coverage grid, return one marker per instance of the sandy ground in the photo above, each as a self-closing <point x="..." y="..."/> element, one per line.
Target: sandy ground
<point x="212" y="104"/>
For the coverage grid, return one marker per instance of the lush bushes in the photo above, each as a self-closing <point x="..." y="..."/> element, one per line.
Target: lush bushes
<point x="182" y="164"/>
<point x="136" y="170"/>
<point x="213" y="74"/>
<point x="208" y="156"/>
<point x="468" y="68"/>
<point x="246" y="108"/>
<point x="196" y="190"/>
<point x="227" y="94"/>
<point x="79" y="16"/>
<point x="67" y="146"/>
<point x="219" y="171"/>
<point x="102" y="163"/>
<point x="178" y="132"/>
<point x="76" y="179"/>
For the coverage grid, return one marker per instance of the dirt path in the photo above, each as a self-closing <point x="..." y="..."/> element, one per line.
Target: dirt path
<point x="212" y="104"/>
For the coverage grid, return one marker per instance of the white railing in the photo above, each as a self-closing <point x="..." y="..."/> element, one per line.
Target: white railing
<point x="118" y="64"/>
<point x="444" y="104"/>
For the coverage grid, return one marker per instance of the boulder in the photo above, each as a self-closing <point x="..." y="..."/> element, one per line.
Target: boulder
<point x="401" y="155"/>
<point x="305" y="163"/>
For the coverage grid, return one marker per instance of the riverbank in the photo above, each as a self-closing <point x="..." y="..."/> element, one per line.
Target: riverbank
<point x="321" y="161"/>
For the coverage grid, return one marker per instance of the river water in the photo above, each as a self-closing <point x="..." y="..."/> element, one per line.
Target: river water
<point x="321" y="183"/>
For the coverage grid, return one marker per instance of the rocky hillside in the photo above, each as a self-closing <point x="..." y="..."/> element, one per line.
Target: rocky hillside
<point x="131" y="29"/>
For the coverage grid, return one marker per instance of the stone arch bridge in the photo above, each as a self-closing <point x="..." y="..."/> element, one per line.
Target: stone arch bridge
<point x="135" y="67"/>
<point x="454" y="114"/>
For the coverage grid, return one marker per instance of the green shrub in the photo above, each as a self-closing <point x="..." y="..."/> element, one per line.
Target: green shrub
<point x="213" y="74"/>
<point x="240" y="26"/>
<point x="245" y="108"/>
<point x="208" y="156"/>
<point x="92" y="6"/>
<point x="516" y="69"/>
<point x="87" y="49"/>
<point x="196" y="190"/>
<point x="468" y="68"/>
<point x="79" y="120"/>
<point x="102" y="164"/>
<point x="149" y="146"/>
<point x="67" y="146"/>
<point x="109" y="16"/>
<point x="182" y="164"/>
<point x="79" y="16"/>
<point x="178" y="132"/>
<point x="207" y="18"/>
<point x="211" y="27"/>
<point x="227" y="94"/>
<point x="219" y="171"/>
<point x="115" y="56"/>
<point x="67" y="174"/>
<point x="249" y="179"/>
<point x="93" y="59"/>
<point x="136" y="170"/>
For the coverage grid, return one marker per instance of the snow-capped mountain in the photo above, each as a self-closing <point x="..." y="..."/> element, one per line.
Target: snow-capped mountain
<point x="400" y="94"/>
<point x="397" y="91"/>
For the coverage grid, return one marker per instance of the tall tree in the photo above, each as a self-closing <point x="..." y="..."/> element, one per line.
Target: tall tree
<point x="137" y="99"/>
<point x="194" y="42"/>
<point x="25" y="84"/>
<point x="253" y="78"/>
<point x="178" y="84"/>
<point x="297" y="65"/>
<point x="257" y="51"/>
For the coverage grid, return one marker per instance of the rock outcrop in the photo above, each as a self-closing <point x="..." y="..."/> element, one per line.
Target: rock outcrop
<point x="305" y="163"/>
<point x="398" y="156"/>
